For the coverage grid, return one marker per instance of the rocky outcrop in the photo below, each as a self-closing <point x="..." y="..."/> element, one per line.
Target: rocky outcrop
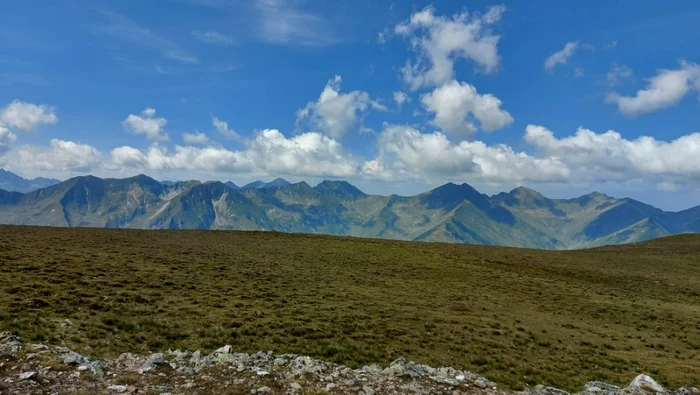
<point x="36" y="368"/>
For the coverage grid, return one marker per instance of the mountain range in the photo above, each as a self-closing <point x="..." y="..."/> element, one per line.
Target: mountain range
<point x="450" y="213"/>
<point x="12" y="182"/>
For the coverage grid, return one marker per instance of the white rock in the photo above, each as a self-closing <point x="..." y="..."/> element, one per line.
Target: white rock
<point x="460" y="377"/>
<point x="295" y="386"/>
<point x="645" y="382"/>
<point x="82" y="368"/>
<point x="224" y="350"/>
<point x="117" y="388"/>
<point x="27" y="375"/>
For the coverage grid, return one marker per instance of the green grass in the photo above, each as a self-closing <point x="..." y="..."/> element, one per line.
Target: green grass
<point x="516" y="316"/>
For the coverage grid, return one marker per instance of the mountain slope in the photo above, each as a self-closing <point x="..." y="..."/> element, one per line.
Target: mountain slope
<point x="450" y="213"/>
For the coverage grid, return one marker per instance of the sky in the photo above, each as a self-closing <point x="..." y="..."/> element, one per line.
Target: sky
<point x="392" y="96"/>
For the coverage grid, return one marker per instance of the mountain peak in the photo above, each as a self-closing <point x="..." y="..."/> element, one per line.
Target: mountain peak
<point x="276" y="183"/>
<point x="10" y="181"/>
<point x="339" y="189"/>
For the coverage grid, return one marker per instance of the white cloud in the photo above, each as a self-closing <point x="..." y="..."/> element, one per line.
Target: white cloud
<point x="60" y="157"/>
<point x="269" y="152"/>
<point x="308" y="154"/>
<point x="195" y="138"/>
<point x="147" y="124"/>
<point x="609" y="156"/>
<point x="6" y="137"/>
<point x="212" y="37"/>
<point x="26" y="116"/>
<point x="209" y="159"/>
<point x="579" y="72"/>
<point x="401" y="97"/>
<point x="618" y="74"/>
<point x="562" y="56"/>
<point x="664" y="90"/>
<point x="440" y="40"/>
<point x="284" y="22"/>
<point x="336" y="113"/>
<point x="454" y="103"/>
<point x="223" y="129"/>
<point x="406" y="153"/>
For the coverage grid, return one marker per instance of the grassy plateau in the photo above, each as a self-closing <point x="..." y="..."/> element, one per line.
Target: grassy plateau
<point x="517" y="316"/>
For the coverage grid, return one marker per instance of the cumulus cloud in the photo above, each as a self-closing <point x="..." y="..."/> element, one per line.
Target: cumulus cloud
<point x="223" y="129"/>
<point x="400" y="98"/>
<point x="336" y="113"/>
<point x="454" y="103"/>
<point x="212" y="37"/>
<point x="195" y="138"/>
<point x="560" y="57"/>
<point x="407" y="153"/>
<point x="440" y="40"/>
<point x="6" y="137"/>
<point x="26" y="116"/>
<point x="147" y="124"/>
<point x="269" y="152"/>
<point x="664" y="90"/>
<point x="60" y="156"/>
<point x="609" y="156"/>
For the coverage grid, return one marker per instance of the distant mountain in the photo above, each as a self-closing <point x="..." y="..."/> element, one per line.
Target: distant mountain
<point x="450" y="213"/>
<point x="231" y="185"/>
<point x="276" y="183"/>
<point x="12" y="182"/>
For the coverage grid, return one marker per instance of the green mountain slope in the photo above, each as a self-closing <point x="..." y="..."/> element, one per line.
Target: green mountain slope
<point x="450" y="213"/>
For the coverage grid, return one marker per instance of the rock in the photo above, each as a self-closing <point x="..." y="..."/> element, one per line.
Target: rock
<point x="66" y="323"/>
<point x="295" y="386"/>
<point x="371" y="369"/>
<point x="542" y="390"/>
<point x="645" y="383"/>
<point x="600" y="388"/>
<point x="262" y="390"/>
<point x="38" y="347"/>
<point x="259" y="371"/>
<point x="330" y="386"/>
<point x="82" y="368"/>
<point x="367" y="391"/>
<point x="27" y="376"/>
<point x="223" y="350"/>
<point x="151" y="363"/>
<point x="117" y="388"/>
<point x="9" y="342"/>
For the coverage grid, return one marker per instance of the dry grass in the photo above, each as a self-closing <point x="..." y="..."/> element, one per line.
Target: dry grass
<point x="517" y="316"/>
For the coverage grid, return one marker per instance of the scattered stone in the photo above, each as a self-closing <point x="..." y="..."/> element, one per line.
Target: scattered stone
<point x="27" y="376"/>
<point x="295" y="386"/>
<point x="224" y="350"/>
<point x="230" y="372"/>
<point x="151" y="363"/>
<point x="117" y="388"/>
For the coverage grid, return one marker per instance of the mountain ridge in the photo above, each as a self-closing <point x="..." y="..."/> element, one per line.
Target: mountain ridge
<point x="449" y="213"/>
<point x="11" y="182"/>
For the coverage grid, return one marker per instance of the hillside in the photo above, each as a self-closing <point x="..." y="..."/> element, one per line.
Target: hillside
<point x="450" y="213"/>
<point x="516" y="316"/>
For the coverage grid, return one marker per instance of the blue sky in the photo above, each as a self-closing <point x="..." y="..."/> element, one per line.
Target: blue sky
<point x="396" y="97"/>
